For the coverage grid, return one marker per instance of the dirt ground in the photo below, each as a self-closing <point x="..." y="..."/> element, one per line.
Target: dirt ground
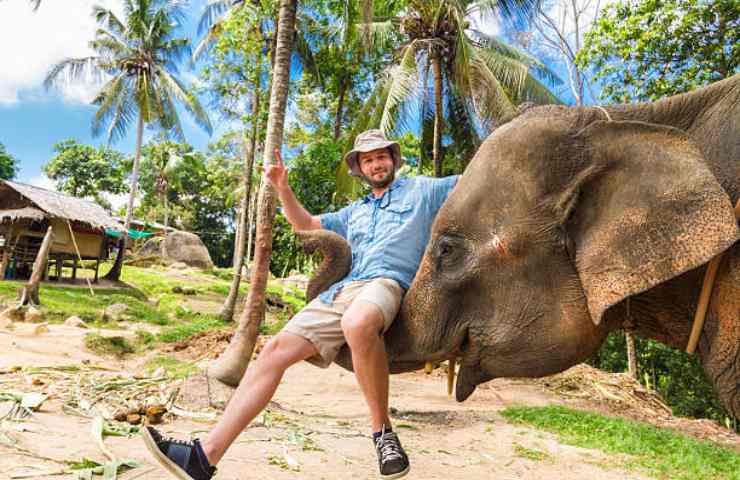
<point x="316" y="427"/>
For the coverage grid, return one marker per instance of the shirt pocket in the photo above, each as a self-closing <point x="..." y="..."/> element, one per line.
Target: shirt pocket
<point x="400" y="213"/>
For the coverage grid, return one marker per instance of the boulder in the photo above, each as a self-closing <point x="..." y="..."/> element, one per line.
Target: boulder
<point x="152" y="247"/>
<point x="115" y="312"/>
<point x="179" y="247"/>
<point x="179" y="265"/>
<point x="188" y="248"/>
<point x="75" y="321"/>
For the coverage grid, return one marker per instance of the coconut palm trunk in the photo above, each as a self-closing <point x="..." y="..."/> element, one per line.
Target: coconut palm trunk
<point x="340" y="108"/>
<point x="231" y="365"/>
<point x="115" y="272"/>
<point x="227" y="311"/>
<point x="436" y="148"/>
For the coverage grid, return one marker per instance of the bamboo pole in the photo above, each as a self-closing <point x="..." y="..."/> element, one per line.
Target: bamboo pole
<point x="77" y="249"/>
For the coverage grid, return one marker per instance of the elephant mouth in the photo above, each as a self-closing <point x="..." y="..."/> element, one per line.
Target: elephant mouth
<point x="470" y="374"/>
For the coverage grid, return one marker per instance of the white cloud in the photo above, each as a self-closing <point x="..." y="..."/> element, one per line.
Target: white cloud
<point x="30" y="43"/>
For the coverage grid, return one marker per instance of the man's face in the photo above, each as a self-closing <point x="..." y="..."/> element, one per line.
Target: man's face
<point x="377" y="167"/>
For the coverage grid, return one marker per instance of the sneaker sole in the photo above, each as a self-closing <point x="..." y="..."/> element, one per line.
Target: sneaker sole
<point x="396" y="475"/>
<point x="163" y="460"/>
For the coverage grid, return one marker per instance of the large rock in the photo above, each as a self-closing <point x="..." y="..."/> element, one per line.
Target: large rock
<point x="187" y="247"/>
<point x="184" y="247"/>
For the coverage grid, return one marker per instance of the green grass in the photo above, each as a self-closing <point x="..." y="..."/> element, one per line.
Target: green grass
<point x="201" y="323"/>
<point x="116" y="345"/>
<point x="151" y="300"/>
<point x="661" y="453"/>
<point x="59" y="303"/>
<point x="173" y="367"/>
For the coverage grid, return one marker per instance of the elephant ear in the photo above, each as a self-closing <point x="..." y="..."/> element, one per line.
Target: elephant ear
<point x="644" y="209"/>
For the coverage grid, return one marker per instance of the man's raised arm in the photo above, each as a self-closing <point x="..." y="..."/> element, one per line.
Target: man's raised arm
<point x="297" y="215"/>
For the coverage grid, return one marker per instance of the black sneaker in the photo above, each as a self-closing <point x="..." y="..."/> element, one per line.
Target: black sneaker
<point x="392" y="460"/>
<point x="184" y="460"/>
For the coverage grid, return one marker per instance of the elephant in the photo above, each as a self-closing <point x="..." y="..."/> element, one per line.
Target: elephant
<point x="569" y="222"/>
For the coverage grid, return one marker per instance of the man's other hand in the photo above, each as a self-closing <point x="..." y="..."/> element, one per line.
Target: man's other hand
<point x="276" y="173"/>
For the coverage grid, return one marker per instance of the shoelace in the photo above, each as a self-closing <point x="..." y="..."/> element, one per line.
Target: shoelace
<point x="389" y="447"/>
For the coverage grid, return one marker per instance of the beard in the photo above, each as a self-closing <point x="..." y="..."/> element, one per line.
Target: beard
<point x="383" y="182"/>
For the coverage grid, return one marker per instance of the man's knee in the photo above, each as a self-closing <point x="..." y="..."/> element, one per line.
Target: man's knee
<point x="283" y="350"/>
<point x="362" y="325"/>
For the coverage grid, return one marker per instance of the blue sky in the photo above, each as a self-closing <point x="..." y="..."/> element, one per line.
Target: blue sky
<point x="32" y="120"/>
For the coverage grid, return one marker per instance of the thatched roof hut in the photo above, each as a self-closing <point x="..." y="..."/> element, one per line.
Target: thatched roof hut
<point x="79" y="227"/>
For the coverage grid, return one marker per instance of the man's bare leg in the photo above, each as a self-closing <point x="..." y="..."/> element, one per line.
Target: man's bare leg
<point x="362" y="323"/>
<point x="255" y="390"/>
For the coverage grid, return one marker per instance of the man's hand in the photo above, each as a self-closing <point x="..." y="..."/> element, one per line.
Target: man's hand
<point x="276" y="173"/>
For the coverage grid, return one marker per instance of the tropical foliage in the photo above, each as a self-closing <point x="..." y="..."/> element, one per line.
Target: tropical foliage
<point x="8" y="164"/>
<point x="86" y="171"/>
<point x="649" y="49"/>
<point x="444" y="59"/>
<point x="136" y="57"/>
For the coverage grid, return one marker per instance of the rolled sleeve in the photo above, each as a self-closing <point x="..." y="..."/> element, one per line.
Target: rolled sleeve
<point x="336" y="221"/>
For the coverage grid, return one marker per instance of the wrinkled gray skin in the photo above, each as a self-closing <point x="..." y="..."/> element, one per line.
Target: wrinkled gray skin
<point x="566" y="223"/>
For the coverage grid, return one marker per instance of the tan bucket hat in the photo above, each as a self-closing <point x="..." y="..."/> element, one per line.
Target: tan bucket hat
<point x="367" y="142"/>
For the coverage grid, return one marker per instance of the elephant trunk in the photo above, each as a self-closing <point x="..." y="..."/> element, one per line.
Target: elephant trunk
<point x="336" y="263"/>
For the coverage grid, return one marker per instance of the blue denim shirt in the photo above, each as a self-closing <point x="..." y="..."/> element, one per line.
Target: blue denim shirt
<point x="388" y="235"/>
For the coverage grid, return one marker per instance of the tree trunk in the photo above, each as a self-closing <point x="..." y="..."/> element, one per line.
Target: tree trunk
<point x="631" y="354"/>
<point x="227" y="311"/>
<point x="231" y="365"/>
<point x="30" y="294"/>
<point x="115" y="272"/>
<point x="340" y="108"/>
<point x="237" y="235"/>
<point x="166" y="223"/>
<point x="436" y="153"/>
<point x="250" y="222"/>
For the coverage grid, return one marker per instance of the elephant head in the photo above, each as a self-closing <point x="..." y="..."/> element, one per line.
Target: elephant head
<point x="547" y="230"/>
<point x="551" y="228"/>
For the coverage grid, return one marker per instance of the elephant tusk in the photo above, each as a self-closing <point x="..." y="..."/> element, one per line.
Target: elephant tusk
<point x="451" y="374"/>
<point x="428" y="368"/>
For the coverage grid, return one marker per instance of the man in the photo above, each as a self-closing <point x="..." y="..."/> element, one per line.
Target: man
<point x="387" y="231"/>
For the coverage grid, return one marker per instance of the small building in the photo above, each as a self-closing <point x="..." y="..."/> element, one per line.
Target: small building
<point x="79" y="230"/>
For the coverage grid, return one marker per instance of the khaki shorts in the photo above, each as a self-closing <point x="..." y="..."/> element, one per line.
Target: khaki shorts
<point x="321" y="324"/>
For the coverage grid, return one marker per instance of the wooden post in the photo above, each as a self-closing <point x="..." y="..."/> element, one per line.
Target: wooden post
<point x="97" y="266"/>
<point x="30" y="292"/>
<point x="58" y="261"/>
<point x="74" y="268"/>
<point x="7" y="251"/>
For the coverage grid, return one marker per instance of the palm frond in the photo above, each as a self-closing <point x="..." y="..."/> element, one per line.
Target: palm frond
<point x="403" y="82"/>
<point x="108" y="20"/>
<point x="189" y="101"/>
<point x="71" y="70"/>
<point x="214" y="12"/>
<point x="490" y="42"/>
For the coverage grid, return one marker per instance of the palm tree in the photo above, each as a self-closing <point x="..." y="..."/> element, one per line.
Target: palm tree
<point x="231" y="365"/>
<point x="480" y="77"/>
<point x="136" y="58"/>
